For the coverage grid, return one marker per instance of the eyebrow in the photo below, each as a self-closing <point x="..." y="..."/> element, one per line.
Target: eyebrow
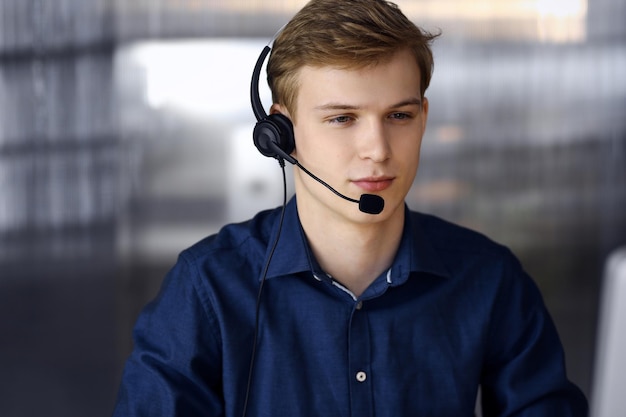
<point x="339" y="106"/>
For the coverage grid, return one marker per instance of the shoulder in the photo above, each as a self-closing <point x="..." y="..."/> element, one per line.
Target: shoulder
<point x="466" y="255"/>
<point x="448" y="237"/>
<point x="232" y="256"/>
<point x="234" y="238"/>
<point x="221" y="268"/>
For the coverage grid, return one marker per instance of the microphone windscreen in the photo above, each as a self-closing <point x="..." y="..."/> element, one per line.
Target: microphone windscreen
<point x="371" y="203"/>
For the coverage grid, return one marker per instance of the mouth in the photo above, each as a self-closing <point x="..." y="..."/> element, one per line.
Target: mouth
<point x="372" y="184"/>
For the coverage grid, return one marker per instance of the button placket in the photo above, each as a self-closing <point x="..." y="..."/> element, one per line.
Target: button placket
<point x="361" y="398"/>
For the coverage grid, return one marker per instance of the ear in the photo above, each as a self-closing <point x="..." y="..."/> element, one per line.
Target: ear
<point x="424" y="114"/>
<point x="279" y="109"/>
<point x="425" y="107"/>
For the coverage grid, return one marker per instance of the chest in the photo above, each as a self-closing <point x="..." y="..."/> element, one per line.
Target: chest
<point x="410" y="351"/>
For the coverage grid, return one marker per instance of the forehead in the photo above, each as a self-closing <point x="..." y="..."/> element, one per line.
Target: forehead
<point x="393" y="79"/>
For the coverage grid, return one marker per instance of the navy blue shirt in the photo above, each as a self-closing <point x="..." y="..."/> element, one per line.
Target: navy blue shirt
<point x="455" y="312"/>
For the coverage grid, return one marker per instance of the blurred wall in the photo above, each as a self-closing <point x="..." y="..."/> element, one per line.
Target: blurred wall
<point x="106" y="174"/>
<point x="59" y="201"/>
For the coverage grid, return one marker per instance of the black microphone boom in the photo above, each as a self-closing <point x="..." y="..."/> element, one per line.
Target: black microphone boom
<point x="368" y="203"/>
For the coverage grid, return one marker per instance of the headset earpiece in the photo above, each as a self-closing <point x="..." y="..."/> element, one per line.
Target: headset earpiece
<point x="273" y="134"/>
<point x="277" y="130"/>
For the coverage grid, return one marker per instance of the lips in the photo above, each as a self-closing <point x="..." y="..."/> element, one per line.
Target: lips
<point x="373" y="183"/>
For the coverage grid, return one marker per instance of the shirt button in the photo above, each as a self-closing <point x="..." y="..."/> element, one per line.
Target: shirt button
<point x="361" y="376"/>
<point x="359" y="305"/>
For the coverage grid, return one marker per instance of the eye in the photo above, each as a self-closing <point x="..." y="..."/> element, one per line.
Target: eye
<point x="341" y="120"/>
<point x="400" y="116"/>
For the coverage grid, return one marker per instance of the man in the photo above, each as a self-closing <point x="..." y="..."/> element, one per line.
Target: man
<point x="389" y="314"/>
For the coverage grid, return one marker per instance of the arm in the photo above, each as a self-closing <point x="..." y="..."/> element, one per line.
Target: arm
<point x="175" y="366"/>
<point x="524" y="373"/>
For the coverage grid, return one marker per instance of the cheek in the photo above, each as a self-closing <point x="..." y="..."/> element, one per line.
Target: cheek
<point x="316" y="143"/>
<point x="410" y="145"/>
<point x="409" y="154"/>
<point x="309" y="147"/>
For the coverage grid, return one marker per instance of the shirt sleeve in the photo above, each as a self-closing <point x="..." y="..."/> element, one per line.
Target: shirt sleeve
<point x="175" y="366"/>
<point x="524" y="373"/>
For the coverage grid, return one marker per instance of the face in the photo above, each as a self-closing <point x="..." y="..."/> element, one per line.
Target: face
<point x="359" y="130"/>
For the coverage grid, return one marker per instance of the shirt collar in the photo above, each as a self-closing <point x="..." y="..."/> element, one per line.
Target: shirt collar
<point x="290" y="256"/>
<point x="416" y="253"/>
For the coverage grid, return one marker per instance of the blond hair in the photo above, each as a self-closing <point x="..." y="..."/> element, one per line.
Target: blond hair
<point x="348" y="34"/>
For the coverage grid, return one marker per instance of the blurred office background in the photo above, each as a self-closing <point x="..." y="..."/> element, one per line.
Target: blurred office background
<point x="125" y="136"/>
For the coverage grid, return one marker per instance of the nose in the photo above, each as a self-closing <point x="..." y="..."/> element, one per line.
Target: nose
<point x="374" y="141"/>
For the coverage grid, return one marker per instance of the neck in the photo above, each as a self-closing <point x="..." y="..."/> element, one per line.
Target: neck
<point x="353" y="253"/>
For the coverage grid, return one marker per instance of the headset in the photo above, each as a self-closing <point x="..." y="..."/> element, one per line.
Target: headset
<point x="273" y="136"/>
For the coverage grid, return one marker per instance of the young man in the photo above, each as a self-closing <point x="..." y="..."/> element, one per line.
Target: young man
<point x="390" y="314"/>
